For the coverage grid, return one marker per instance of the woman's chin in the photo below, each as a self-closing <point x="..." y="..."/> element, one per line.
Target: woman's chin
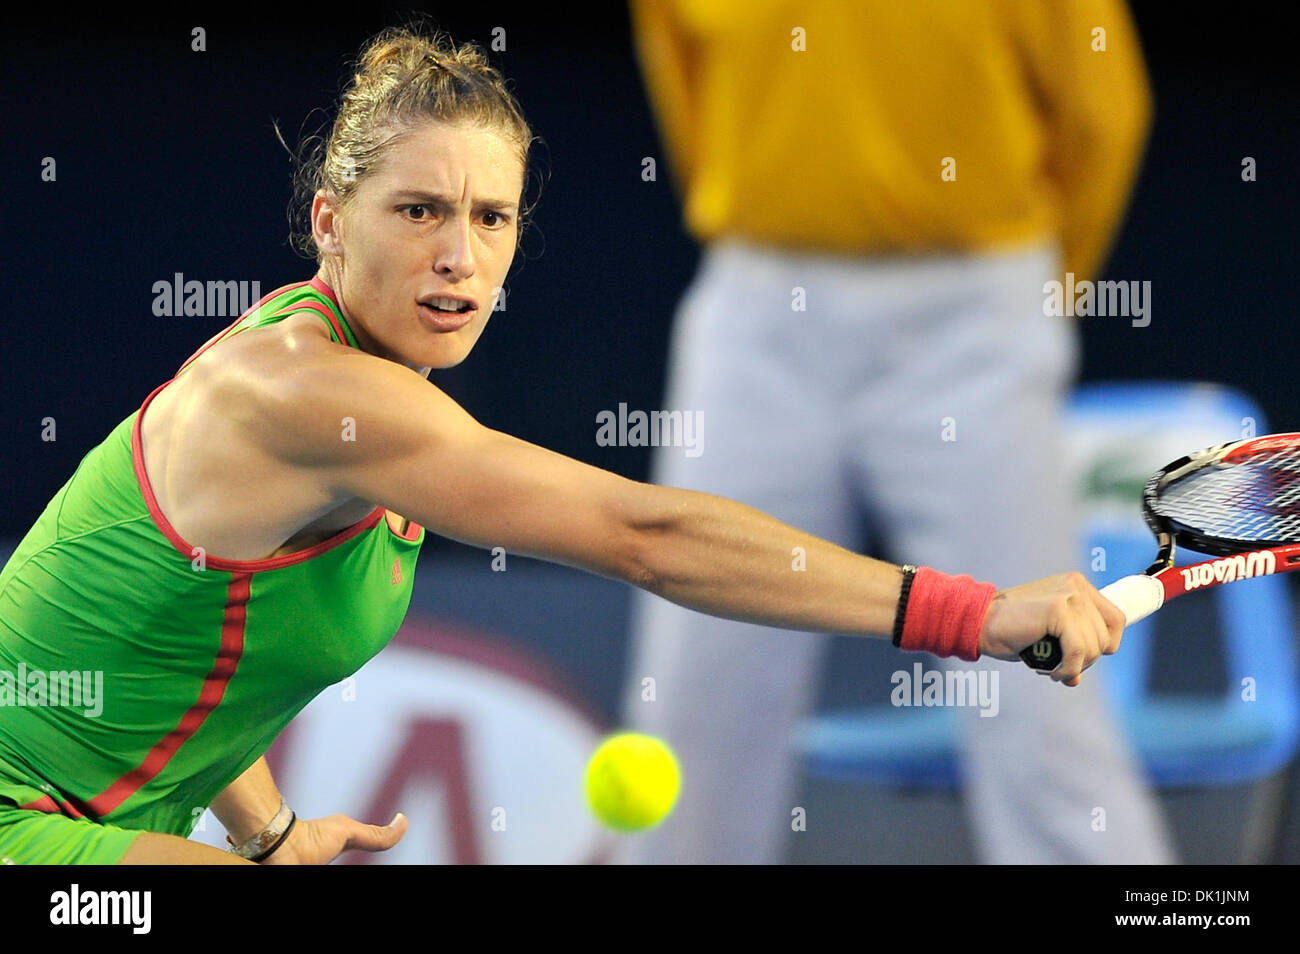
<point x="438" y="352"/>
<point x="440" y="359"/>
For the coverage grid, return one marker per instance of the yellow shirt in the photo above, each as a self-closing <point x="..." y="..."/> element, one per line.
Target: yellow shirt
<point x="843" y="146"/>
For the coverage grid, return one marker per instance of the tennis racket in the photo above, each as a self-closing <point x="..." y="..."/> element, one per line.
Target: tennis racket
<point x="1237" y="501"/>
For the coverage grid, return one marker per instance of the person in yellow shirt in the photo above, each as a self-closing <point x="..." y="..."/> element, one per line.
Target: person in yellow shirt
<point x="882" y="191"/>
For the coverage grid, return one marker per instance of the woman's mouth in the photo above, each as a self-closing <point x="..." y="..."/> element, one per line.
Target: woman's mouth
<point x="439" y="314"/>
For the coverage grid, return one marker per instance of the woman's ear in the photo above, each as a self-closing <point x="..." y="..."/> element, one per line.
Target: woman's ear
<point x="325" y="222"/>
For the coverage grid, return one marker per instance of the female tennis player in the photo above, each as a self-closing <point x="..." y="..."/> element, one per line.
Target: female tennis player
<point x="248" y="536"/>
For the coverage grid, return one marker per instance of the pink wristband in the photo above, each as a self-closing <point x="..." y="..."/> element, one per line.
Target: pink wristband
<point x="945" y="614"/>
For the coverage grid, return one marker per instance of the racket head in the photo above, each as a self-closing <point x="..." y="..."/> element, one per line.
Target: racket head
<point x="1231" y="498"/>
<point x="1226" y="500"/>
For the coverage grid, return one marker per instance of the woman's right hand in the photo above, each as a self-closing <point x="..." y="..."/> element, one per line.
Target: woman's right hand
<point x="1066" y="606"/>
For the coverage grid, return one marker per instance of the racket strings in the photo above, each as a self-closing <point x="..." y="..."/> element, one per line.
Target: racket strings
<point x="1252" y="498"/>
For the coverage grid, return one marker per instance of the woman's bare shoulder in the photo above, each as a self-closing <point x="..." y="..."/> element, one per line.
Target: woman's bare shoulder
<point x="262" y="376"/>
<point x="228" y="443"/>
<point x="297" y="393"/>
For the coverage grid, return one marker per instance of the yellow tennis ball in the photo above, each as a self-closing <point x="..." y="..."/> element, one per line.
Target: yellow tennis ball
<point x="632" y="782"/>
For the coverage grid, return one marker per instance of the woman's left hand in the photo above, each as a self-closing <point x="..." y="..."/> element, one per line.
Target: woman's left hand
<point x="318" y="841"/>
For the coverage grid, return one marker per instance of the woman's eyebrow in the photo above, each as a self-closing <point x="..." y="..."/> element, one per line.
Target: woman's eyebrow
<point x="434" y="198"/>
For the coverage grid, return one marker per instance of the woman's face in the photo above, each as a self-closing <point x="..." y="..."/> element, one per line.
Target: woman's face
<point x="438" y="218"/>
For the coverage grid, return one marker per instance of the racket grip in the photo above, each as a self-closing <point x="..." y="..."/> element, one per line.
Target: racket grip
<point x="1136" y="596"/>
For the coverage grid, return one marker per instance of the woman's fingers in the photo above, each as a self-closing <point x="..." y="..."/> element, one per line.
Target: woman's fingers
<point x="375" y="837"/>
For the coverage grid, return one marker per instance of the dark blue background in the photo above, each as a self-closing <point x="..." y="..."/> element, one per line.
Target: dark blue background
<point x="167" y="162"/>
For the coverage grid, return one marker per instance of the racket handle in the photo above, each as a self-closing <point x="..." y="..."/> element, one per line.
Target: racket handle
<point x="1137" y="597"/>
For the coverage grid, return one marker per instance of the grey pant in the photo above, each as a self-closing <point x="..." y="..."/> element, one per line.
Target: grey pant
<point x="925" y="393"/>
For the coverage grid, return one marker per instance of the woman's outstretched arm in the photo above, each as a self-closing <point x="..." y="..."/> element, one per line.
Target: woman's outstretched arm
<point x="414" y="450"/>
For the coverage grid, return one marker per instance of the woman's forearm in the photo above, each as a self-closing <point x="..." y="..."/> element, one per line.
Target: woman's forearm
<point x="248" y="803"/>
<point x="727" y="559"/>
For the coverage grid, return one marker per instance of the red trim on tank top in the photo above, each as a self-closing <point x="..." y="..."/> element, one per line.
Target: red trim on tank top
<point x="227" y="659"/>
<point x="318" y="283"/>
<point x="47" y="804"/>
<point x="42" y="804"/>
<point x="329" y="316"/>
<point x="219" y="563"/>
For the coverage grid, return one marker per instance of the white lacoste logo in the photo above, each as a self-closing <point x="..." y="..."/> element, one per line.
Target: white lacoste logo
<point x="1239" y="567"/>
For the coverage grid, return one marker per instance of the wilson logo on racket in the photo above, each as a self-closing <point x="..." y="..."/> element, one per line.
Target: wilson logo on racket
<point x="1241" y="567"/>
<point x="1041" y="649"/>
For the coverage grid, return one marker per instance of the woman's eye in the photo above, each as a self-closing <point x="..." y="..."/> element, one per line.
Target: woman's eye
<point x="422" y="213"/>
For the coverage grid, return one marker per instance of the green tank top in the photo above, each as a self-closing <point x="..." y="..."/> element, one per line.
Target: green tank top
<point x="136" y="681"/>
